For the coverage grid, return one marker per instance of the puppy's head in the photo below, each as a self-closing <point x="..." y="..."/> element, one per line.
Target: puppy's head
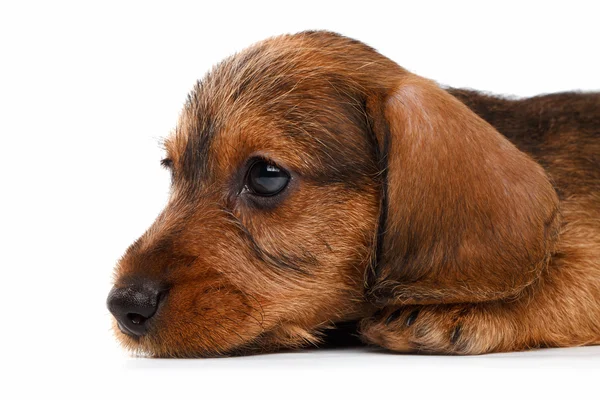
<point x="300" y="166"/>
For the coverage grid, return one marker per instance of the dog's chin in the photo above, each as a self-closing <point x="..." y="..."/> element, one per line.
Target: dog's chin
<point x="136" y="346"/>
<point x="151" y="346"/>
<point x="147" y="347"/>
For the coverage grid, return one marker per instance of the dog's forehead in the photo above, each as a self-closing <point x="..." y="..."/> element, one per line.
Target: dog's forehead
<point x="275" y="100"/>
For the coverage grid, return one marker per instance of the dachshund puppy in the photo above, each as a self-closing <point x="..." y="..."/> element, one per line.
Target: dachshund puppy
<point x="316" y="182"/>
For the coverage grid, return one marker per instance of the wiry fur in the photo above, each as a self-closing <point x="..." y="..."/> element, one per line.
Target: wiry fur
<point x="444" y="221"/>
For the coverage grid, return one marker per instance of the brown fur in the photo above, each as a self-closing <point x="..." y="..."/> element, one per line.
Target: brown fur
<point x="443" y="221"/>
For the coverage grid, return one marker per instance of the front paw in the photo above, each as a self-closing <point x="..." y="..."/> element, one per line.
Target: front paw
<point x="434" y="329"/>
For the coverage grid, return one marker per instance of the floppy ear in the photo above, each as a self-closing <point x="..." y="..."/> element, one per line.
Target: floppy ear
<point x="466" y="216"/>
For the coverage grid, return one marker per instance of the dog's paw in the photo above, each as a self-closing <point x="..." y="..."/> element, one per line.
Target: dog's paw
<point x="435" y="329"/>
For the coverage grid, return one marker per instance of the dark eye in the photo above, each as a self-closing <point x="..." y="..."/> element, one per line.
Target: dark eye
<point x="166" y="162"/>
<point x="266" y="179"/>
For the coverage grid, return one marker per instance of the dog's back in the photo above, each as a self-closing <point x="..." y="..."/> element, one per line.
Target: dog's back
<point x="561" y="131"/>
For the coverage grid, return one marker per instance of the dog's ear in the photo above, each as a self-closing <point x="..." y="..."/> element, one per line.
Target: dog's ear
<point x="465" y="215"/>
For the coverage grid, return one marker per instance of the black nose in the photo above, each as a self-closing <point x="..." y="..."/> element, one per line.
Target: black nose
<point x="133" y="307"/>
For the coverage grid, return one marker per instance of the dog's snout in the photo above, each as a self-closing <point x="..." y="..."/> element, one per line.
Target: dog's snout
<point x="134" y="306"/>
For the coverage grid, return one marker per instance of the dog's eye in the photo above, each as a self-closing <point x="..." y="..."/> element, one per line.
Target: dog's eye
<point x="166" y="162"/>
<point x="266" y="179"/>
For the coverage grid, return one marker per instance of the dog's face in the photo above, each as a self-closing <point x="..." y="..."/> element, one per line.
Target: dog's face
<point x="272" y="213"/>
<point x="296" y="166"/>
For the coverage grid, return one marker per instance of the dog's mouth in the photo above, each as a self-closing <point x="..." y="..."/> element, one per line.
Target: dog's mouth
<point x="155" y="344"/>
<point x="174" y="334"/>
<point x="126" y="331"/>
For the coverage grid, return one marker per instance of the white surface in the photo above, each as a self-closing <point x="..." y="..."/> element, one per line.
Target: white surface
<point x="320" y="374"/>
<point x="87" y="90"/>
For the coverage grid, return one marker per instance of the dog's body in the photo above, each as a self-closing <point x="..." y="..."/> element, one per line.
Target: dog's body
<point x="315" y="182"/>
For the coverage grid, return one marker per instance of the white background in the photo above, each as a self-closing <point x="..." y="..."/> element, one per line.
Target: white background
<point x="86" y="92"/>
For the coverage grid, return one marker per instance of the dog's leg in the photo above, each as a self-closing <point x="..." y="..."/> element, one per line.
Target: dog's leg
<point x="562" y="309"/>
<point x="483" y="327"/>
